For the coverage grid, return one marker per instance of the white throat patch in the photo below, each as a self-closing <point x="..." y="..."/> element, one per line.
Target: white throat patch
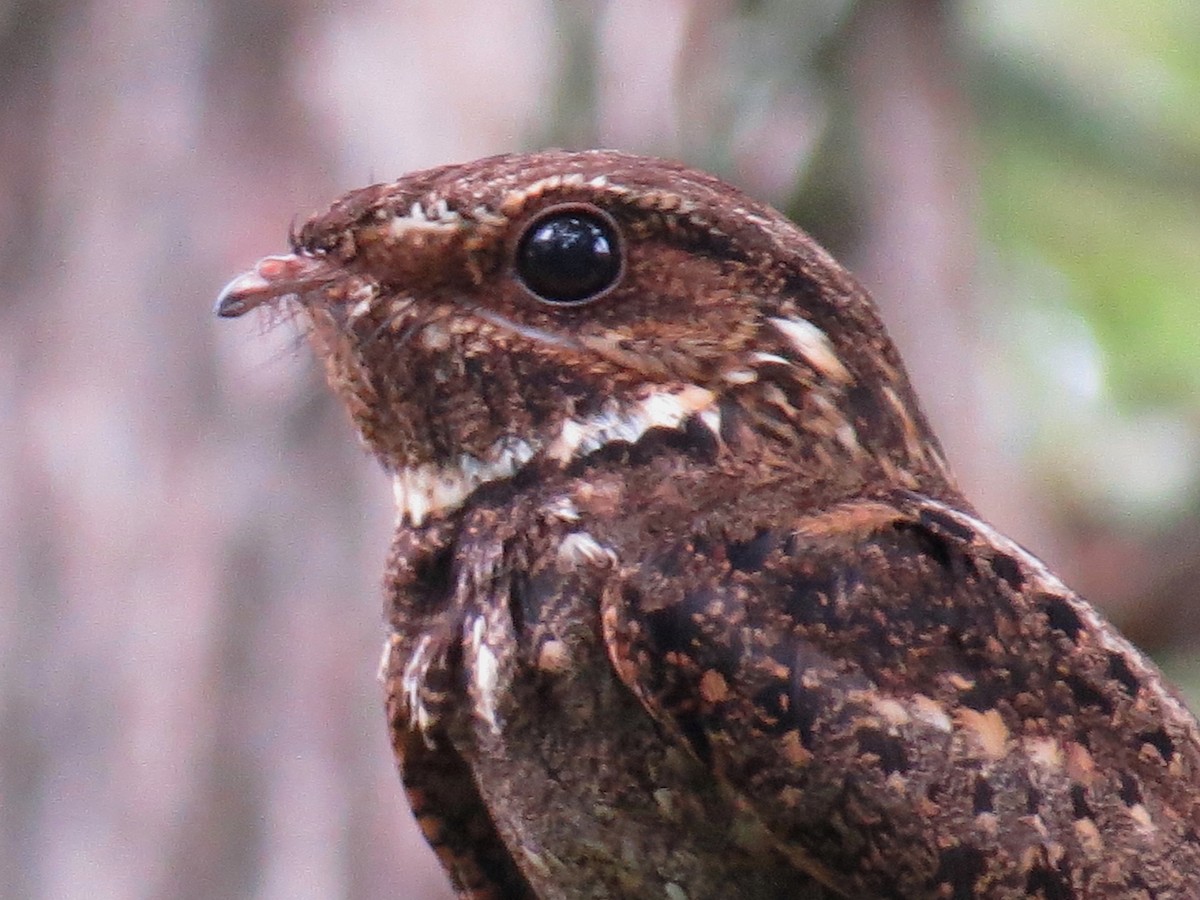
<point x="432" y="490"/>
<point x="660" y="409"/>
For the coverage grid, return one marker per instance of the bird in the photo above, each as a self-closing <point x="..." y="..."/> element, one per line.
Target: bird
<point x="684" y="600"/>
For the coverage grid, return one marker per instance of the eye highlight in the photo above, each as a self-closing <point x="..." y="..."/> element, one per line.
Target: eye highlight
<point x="569" y="255"/>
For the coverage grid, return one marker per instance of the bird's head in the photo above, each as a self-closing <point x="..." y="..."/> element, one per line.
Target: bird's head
<point x="476" y="317"/>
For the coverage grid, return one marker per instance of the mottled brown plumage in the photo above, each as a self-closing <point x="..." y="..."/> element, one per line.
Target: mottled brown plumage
<point x="683" y="600"/>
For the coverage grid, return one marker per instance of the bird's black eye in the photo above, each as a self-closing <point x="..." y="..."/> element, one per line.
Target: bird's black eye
<point x="569" y="256"/>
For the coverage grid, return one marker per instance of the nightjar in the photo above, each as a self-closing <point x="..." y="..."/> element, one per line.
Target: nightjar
<point x="683" y="600"/>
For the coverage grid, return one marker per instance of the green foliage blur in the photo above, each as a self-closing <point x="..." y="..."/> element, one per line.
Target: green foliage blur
<point x="1092" y="168"/>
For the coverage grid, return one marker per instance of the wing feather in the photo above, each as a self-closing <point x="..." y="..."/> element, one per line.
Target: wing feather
<point x="912" y="704"/>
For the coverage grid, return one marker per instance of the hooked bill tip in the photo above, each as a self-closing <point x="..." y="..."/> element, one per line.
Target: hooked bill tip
<point x="241" y="295"/>
<point x="273" y="277"/>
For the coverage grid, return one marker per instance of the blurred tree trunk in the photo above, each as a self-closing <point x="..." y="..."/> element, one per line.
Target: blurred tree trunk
<point x="919" y="257"/>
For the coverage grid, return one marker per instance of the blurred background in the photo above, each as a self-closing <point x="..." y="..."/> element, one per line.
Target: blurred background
<point x="191" y="539"/>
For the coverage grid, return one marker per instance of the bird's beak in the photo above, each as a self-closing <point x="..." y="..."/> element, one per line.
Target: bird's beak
<point x="272" y="278"/>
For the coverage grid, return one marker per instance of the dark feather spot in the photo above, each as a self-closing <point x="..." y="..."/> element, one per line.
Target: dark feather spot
<point x="1118" y="668"/>
<point x="692" y="727"/>
<point x="670" y="630"/>
<point x="654" y="443"/>
<point x="807" y="701"/>
<point x="1062" y="617"/>
<point x="434" y="575"/>
<point x="984" y="694"/>
<point x="805" y="708"/>
<point x="1160" y="741"/>
<point x="890" y="750"/>
<point x="772" y="707"/>
<point x="749" y="556"/>
<point x="861" y="401"/>
<point x="1009" y="569"/>
<point x="930" y="543"/>
<point x="983" y="796"/>
<point x="701" y="443"/>
<point x="810" y="597"/>
<point x="938" y="521"/>
<point x="449" y="677"/>
<point x="1033" y="801"/>
<point x="1048" y="884"/>
<point x="960" y="867"/>
<point x="615" y="454"/>
<point x="519" y="597"/>
<point x="1131" y="791"/>
<point x="733" y="418"/>
<point x="1087" y="695"/>
<point x="1079" y="805"/>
